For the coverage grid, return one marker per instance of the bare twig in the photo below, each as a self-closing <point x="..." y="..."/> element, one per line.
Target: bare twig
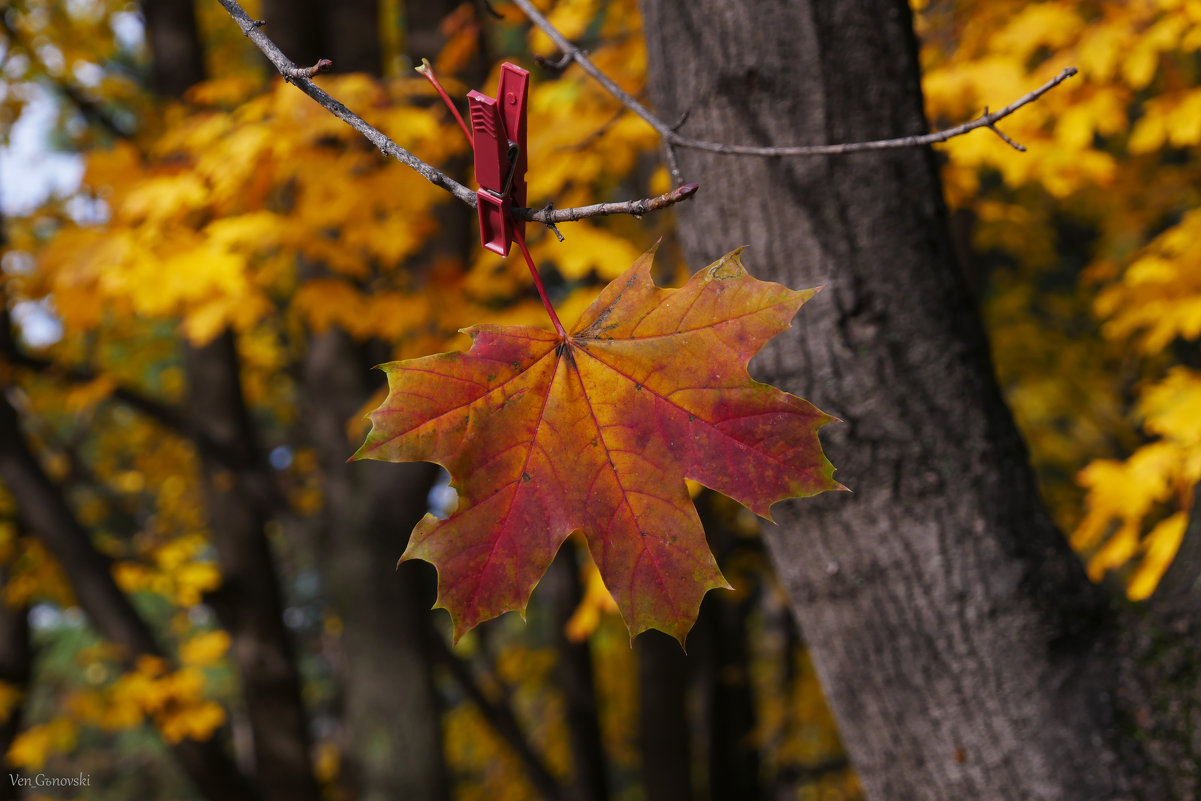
<point x="554" y="65"/>
<point x="672" y="138"/>
<point x="300" y="78"/>
<point x="554" y="228"/>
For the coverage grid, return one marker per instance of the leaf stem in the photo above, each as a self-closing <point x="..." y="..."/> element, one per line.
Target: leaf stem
<point x="427" y="70"/>
<point x="529" y="262"/>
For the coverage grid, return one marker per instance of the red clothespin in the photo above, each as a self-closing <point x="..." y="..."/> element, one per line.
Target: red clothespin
<point x="498" y="136"/>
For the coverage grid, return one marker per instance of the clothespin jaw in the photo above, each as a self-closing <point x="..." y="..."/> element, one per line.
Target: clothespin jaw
<point x="499" y="138"/>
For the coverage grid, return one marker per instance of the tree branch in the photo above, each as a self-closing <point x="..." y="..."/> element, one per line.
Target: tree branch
<point x="299" y="77"/>
<point x="672" y="138"/>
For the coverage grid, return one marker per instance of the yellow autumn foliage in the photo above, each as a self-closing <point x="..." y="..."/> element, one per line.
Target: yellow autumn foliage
<point x="205" y="649"/>
<point x="32" y="747"/>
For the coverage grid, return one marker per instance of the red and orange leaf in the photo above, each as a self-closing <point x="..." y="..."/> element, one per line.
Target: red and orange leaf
<point x="596" y="432"/>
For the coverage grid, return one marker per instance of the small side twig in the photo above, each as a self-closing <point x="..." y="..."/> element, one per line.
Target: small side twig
<point x="554" y="65"/>
<point x="554" y="228"/>
<point x="323" y="65"/>
<point x="672" y="138"/>
<point x="1016" y="146"/>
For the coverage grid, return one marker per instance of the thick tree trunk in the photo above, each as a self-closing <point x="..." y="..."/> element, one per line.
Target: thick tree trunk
<point x="959" y="641"/>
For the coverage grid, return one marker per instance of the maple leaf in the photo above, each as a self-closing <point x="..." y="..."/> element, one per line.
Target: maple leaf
<point x="596" y="431"/>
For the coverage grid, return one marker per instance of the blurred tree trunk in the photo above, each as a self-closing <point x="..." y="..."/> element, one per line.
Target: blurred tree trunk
<point x="664" y="731"/>
<point x="354" y="39"/>
<point x="563" y="590"/>
<point x="718" y="658"/>
<point x="393" y="746"/>
<point x="16" y="652"/>
<point x="964" y="651"/>
<point x="248" y="602"/>
<point x="178" y="60"/>
<point x="295" y="27"/>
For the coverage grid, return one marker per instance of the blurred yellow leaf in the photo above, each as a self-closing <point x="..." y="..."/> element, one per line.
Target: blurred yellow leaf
<point x="205" y="649"/>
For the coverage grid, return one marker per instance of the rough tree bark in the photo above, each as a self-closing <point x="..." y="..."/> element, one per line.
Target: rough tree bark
<point x="964" y="651"/>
